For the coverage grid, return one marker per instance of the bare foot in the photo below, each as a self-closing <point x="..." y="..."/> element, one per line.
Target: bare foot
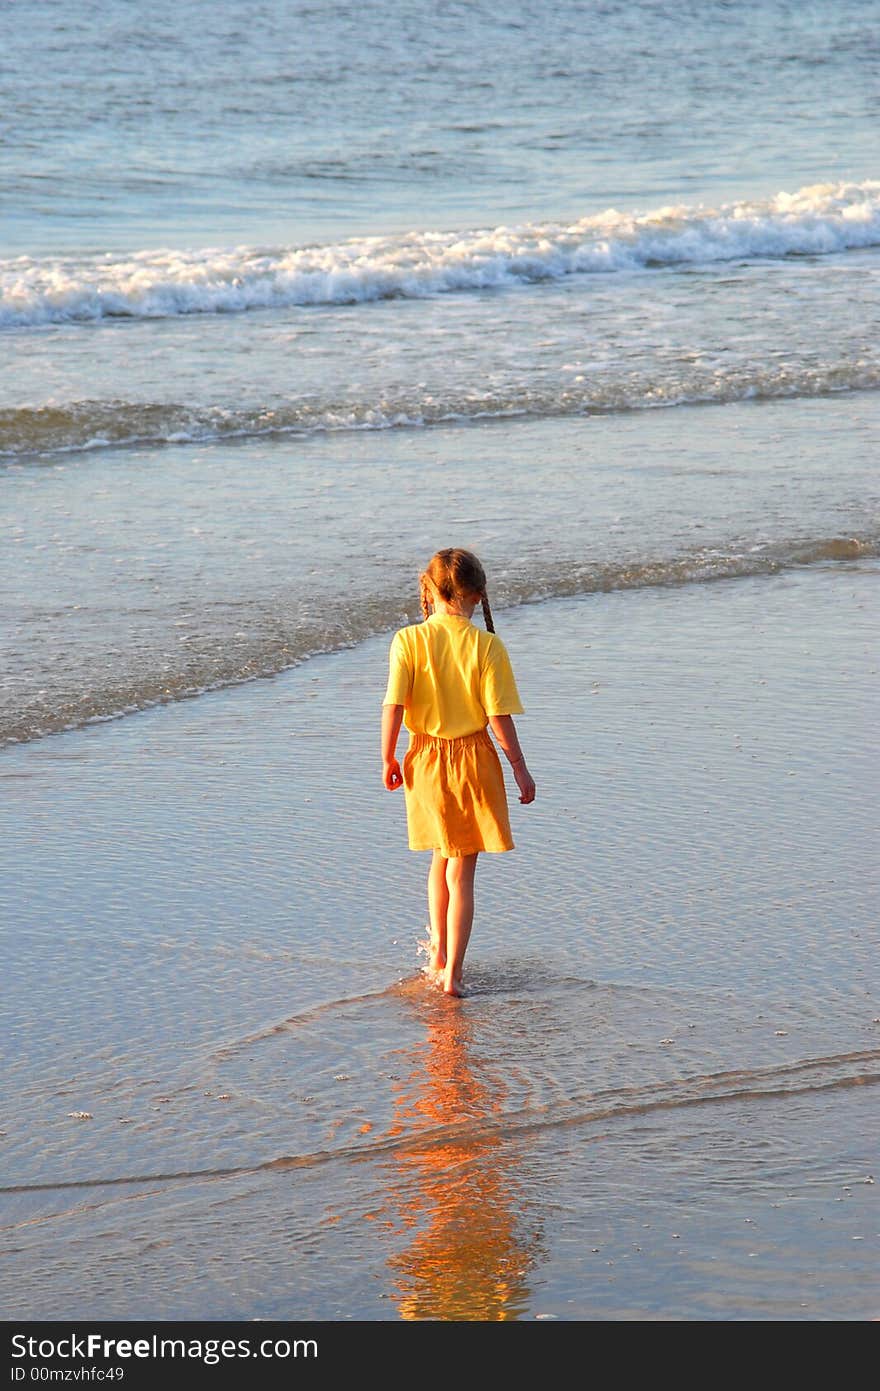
<point x="437" y="958"/>
<point x="453" y="988"/>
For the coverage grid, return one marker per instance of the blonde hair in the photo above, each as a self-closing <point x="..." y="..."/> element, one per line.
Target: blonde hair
<point x="455" y="574"/>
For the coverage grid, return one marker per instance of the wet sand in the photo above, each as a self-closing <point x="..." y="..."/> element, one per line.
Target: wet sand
<point x="231" y="1094"/>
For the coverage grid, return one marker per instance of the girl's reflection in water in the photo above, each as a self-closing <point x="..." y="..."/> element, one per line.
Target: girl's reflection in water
<point x="454" y="1179"/>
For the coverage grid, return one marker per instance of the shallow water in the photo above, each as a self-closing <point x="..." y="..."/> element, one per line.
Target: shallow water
<point x="652" y="1102"/>
<point x="276" y="550"/>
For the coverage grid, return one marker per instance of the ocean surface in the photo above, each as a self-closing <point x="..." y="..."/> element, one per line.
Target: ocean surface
<point x="265" y="267"/>
<point x="292" y="294"/>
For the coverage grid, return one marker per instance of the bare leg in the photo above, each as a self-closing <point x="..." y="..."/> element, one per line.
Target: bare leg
<point x="459" y="918"/>
<point x="438" y="906"/>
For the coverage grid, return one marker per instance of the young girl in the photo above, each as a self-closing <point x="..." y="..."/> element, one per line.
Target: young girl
<point x="448" y="679"/>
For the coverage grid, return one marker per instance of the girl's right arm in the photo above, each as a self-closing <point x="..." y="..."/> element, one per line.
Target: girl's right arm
<point x="505" y="732"/>
<point x="392" y="718"/>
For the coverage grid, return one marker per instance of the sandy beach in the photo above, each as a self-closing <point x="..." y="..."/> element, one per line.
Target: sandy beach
<point x="231" y="1094"/>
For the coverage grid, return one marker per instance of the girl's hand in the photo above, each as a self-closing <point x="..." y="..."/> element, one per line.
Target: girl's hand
<point x="392" y="718"/>
<point x="391" y="775"/>
<point x="525" y="782"/>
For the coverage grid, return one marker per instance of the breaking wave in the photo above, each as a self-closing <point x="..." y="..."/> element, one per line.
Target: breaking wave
<point x="815" y="221"/>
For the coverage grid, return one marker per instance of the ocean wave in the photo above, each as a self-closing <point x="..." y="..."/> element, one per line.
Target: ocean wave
<point x="561" y="579"/>
<point x="82" y="426"/>
<point x="816" y="221"/>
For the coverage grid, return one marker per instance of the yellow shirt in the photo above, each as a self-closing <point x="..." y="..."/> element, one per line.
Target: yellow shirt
<point x="450" y="676"/>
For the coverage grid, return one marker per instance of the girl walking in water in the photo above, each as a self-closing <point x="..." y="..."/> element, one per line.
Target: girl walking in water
<point x="448" y="680"/>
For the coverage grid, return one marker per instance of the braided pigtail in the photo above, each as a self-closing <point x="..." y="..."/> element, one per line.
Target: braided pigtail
<point x="487" y="612"/>
<point x="423" y="596"/>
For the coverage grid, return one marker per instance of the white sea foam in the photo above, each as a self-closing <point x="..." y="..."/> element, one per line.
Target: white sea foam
<point x="817" y="220"/>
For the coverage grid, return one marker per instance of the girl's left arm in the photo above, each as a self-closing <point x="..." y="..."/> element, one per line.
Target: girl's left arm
<point x="392" y="718"/>
<point x="505" y="732"/>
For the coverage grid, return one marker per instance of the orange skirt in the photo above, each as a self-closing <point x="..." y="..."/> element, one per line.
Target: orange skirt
<point x="456" y="802"/>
